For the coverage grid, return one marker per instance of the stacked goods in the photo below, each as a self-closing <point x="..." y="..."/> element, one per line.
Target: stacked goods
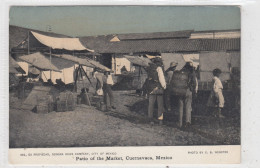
<point x="66" y="102"/>
<point x="70" y="101"/>
<point x="45" y="104"/>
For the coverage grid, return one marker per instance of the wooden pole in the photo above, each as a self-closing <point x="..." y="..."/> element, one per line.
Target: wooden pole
<point x="51" y="67"/>
<point x="139" y="73"/>
<point x="80" y="72"/>
<point x="44" y="76"/>
<point x="76" y="78"/>
<point x="114" y="62"/>
<point x="28" y="42"/>
<point x="87" y="77"/>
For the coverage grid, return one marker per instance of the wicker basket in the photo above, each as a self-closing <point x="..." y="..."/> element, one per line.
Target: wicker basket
<point x="66" y="102"/>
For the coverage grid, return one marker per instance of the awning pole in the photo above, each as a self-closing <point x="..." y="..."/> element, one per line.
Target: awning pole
<point x="87" y="77"/>
<point x="139" y="72"/>
<point x="76" y="78"/>
<point x="44" y="76"/>
<point x="28" y="42"/>
<point x="51" y="65"/>
<point x="63" y="75"/>
<point x="114" y="62"/>
<point x="81" y="68"/>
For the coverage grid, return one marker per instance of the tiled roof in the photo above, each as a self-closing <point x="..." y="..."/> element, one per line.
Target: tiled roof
<point x="220" y="44"/>
<point x="132" y="43"/>
<point x="161" y="45"/>
<point x="156" y="35"/>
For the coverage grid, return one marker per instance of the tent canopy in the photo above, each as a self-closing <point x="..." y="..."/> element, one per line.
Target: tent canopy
<point x="141" y="61"/>
<point x="98" y="65"/>
<point x="73" y="59"/>
<point x="34" y="71"/>
<point x="40" y="61"/>
<point x="60" y="43"/>
<point x="167" y="58"/>
<point x="14" y="67"/>
<point x="61" y="63"/>
<point x="86" y="62"/>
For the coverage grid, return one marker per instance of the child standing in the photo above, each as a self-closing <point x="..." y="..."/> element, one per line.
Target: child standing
<point x="216" y="98"/>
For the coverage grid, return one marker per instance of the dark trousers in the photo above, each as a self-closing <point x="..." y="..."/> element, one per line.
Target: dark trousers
<point x="98" y="85"/>
<point x="108" y="95"/>
<point x="167" y="97"/>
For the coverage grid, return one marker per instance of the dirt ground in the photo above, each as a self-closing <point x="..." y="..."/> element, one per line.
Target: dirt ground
<point x="125" y="126"/>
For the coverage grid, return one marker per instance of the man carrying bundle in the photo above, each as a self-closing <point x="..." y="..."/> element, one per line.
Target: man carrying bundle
<point x="182" y="85"/>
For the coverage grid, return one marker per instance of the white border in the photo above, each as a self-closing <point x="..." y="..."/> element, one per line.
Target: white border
<point x="250" y="31"/>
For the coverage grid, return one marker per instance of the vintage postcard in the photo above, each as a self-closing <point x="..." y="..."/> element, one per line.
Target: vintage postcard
<point x="124" y="85"/>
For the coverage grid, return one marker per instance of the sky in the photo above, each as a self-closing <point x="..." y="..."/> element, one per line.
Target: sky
<point x="101" y="20"/>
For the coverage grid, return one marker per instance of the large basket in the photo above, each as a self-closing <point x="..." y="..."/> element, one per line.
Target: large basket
<point x="66" y="102"/>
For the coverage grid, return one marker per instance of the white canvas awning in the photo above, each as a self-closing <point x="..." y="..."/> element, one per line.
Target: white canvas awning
<point x="60" y="43"/>
<point x="40" y="61"/>
<point x="14" y="67"/>
<point x="86" y="61"/>
<point x="141" y="61"/>
<point x="167" y="58"/>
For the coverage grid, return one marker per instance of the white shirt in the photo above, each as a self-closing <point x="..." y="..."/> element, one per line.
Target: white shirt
<point x="197" y="85"/>
<point x="161" y="77"/>
<point x="217" y="84"/>
<point x="99" y="77"/>
<point x="94" y="75"/>
<point x="108" y="80"/>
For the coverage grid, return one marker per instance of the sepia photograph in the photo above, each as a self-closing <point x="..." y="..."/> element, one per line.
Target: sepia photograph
<point x="124" y="76"/>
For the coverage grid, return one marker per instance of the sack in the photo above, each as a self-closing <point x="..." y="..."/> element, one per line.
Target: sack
<point x="100" y="92"/>
<point x="153" y="79"/>
<point x="179" y="83"/>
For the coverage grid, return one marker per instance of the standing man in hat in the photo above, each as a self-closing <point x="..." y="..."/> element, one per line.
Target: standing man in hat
<point x="107" y="90"/>
<point x="168" y="75"/>
<point x="156" y="87"/>
<point x="99" y="76"/>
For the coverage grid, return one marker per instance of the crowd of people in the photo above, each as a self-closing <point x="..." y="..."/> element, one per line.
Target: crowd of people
<point x="162" y="84"/>
<point x="183" y="84"/>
